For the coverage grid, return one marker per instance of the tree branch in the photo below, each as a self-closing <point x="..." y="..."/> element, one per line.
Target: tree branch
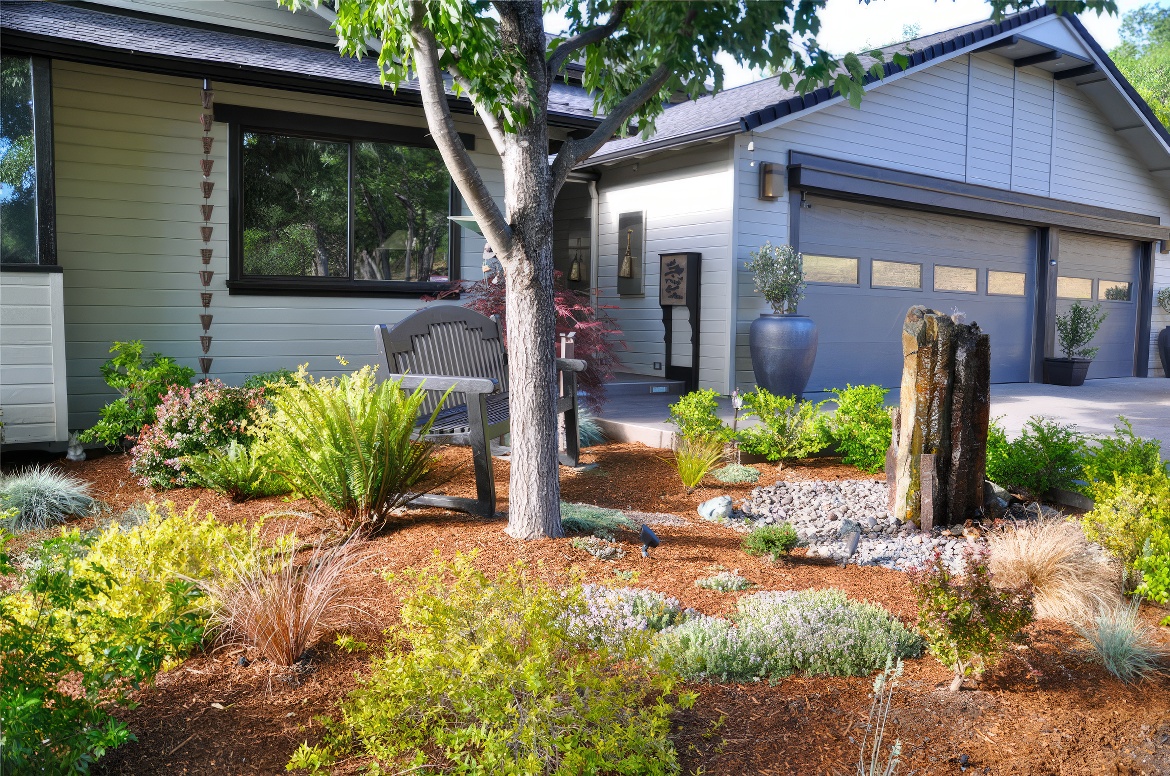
<point x="438" y="112"/>
<point x="491" y="121"/>
<point x="572" y="151"/>
<point x="588" y="37"/>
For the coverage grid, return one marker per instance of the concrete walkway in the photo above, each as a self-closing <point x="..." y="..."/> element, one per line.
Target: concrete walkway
<point x="1093" y="407"/>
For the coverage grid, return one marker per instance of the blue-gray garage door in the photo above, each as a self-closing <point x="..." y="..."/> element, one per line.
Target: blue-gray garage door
<point x="868" y="264"/>
<point x="1101" y="269"/>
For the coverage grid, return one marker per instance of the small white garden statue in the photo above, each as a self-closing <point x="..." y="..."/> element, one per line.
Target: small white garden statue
<point x="75" y="452"/>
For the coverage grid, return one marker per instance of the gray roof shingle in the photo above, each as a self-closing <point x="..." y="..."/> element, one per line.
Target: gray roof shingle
<point x="746" y="107"/>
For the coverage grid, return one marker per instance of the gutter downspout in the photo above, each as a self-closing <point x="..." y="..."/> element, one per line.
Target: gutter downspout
<point x="594" y="253"/>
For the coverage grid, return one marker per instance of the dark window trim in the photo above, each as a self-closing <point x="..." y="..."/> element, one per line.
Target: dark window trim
<point x="852" y="180"/>
<point x="10" y="266"/>
<point x="42" y="96"/>
<point x="241" y="119"/>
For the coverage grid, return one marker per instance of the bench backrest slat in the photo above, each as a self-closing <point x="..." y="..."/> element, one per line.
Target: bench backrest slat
<point x="446" y="340"/>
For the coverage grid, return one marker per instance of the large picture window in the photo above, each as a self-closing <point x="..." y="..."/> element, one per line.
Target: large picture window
<point x="361" y="212"/>
<point x="26" y="179"/>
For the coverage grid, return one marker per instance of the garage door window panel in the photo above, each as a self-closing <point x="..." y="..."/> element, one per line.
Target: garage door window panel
<point x="1069" y="287"/>
<point x="956" y="280"/>
<point x="1115" y="290"/>
<point x="896" y="274"/>
<point x="1006" y="283"/>
<point x="831" y="270"/>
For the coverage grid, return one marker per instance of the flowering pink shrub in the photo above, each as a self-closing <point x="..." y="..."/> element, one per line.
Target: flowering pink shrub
<point x="190" y="421"/>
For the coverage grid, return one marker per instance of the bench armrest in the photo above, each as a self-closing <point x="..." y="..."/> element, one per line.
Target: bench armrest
<point x="446" y="382"/>
<point x="570" y="365"/>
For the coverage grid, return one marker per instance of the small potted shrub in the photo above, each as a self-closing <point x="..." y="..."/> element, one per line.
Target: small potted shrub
<point x="1164" y="335"/>
<point x="783" y="343"/>
<point x="1074" y="331"/>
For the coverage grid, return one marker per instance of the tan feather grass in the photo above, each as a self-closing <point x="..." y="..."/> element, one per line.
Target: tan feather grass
<point x="1071" y="579"/>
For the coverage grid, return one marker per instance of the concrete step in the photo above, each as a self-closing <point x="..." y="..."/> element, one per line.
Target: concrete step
<point x="625" y="384"/>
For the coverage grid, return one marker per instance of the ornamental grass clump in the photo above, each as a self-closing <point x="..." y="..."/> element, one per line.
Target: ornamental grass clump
<point x="778" y="634"/>
<point x="694" y="458"/>
<point x="38" y="498"/>
<point x="487" y="675"/>
<point x="964" y="618"/>
<point x="1070" y="579"/>
<point x="280" y="607"/>
<point x="1127" y="647"/>
<point x="348" y="444"/>
<point x="589" y="519"/>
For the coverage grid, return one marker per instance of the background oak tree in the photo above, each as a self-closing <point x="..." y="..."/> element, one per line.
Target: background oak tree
<point x="635" y="55"/>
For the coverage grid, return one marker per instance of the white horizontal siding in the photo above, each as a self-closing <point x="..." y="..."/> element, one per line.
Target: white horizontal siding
<point x="127" y="171"/>
<point x="990" y="112"/>
<point x="32" y="358"/>
<point x="686" y="197"/>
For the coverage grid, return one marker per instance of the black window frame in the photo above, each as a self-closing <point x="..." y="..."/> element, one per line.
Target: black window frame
<point x="42" y="96"/>
<point x="242" y="119"/>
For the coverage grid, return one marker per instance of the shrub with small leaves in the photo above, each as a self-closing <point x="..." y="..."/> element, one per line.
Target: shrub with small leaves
<point x="779" y="276"/>
<point x="1123" y="453"/>
<point x="192" y="422"/>
<point x="280" y="376"/>
<point x="142" y="384"/>
<point x="695" y="416"/>
<point x="861" y="427"/>
<point x="1154" y="567"/>
<point x="965" y="619"/>
<point x="1045" y="455"/>
<point x="789" y="428"/>
<point x="1126" y="513"/>
<point x="774" y="540"/>
<point x="488" y="674"/>
<point x="724" y="582"/>
<point x="37" y="498"/>
<point x="1076" y="328"/>
<point x="735" y="473"/>
<point x="609" y="615"/>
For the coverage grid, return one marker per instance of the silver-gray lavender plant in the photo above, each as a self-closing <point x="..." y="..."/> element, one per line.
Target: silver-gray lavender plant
<point x="724" y="582"/>
<point x="610" y="615"/>
<point x="777" y="634"/>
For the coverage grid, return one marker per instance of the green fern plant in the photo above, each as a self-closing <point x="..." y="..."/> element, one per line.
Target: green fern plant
<point x="237" y="471"/>
<point x="349" y="444"/>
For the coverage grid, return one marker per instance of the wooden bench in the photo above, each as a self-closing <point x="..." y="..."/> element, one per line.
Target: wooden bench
<point x="443" y="347"/>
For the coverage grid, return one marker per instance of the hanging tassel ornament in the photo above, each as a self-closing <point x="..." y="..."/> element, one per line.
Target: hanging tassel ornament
<point x="575" y="267"/>
<point x="626" y="270"/>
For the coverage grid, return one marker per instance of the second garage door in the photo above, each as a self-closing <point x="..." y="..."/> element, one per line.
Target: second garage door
<point x="868" y="264"/>
<point x="1100" y="269"/>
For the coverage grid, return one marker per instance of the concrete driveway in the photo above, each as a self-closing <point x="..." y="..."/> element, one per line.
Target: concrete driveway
<point x="1093" y="407"/>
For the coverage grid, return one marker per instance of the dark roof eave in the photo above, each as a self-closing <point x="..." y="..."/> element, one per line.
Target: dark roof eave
<point x="710" y="133"/>
<point x="185" y="67"/>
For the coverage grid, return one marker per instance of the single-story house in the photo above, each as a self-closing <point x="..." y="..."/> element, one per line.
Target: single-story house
<point x="213" y="179"/>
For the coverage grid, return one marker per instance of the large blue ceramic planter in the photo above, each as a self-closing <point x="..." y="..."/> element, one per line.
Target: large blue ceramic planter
<point x="784" y="348"/>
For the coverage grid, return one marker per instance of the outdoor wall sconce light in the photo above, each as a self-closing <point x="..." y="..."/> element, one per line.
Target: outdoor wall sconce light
<point x="771" y="181"/>
<point x="650" y="540"/>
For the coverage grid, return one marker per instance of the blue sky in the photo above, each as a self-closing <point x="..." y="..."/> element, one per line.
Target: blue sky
<point x="851" y="25"/>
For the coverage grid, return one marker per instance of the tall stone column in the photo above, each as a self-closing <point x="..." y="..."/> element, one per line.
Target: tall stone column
<point x="944" y="414"/>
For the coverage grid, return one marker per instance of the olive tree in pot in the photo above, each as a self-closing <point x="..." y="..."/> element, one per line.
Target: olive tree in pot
<point x="1074" y="331"/>
<point x="783" y="344"/>
<point x="1164" y="335"/>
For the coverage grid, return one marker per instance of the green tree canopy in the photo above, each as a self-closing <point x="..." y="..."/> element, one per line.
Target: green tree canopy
<point x="1144" y="55"/>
